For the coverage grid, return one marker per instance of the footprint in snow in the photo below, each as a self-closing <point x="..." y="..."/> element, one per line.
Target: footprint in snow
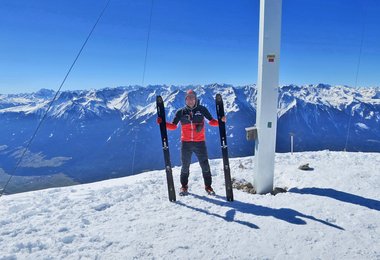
<point x="102" y="206"/>
<point x="68" y="239"/>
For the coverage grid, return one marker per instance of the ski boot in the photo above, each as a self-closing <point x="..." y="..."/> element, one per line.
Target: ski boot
<point x="210" y="190"/>
<point x="184" y="190"/>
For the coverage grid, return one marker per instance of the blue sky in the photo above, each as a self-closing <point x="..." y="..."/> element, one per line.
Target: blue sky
<point x="191" y="42"/>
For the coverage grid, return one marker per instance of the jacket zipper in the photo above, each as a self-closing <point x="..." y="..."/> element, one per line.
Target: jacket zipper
<point x="192" y="129"/>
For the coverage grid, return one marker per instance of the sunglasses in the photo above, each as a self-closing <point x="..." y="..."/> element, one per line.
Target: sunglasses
<point x="190" y="97"/>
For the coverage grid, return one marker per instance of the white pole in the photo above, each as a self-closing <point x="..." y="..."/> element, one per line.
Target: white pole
<point x="268" y="80"/>
<point x="291" y="144"/>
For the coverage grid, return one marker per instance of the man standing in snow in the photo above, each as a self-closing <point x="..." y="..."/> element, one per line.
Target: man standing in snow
<point x="193" y="139"/>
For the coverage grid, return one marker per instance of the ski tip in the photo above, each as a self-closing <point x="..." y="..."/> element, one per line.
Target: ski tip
<point x="218" y="97"/>
<point x="159" y="99"/>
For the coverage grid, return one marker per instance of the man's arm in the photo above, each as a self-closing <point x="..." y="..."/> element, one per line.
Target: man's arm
<point x="212" y="121"/>
<point x="173" y="124"/>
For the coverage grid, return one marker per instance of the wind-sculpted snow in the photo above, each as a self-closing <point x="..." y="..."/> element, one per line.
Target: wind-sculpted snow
<point x="99" y="134"/>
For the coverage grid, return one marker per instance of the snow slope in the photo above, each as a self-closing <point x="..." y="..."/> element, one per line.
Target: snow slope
<point x="332" y="212"/>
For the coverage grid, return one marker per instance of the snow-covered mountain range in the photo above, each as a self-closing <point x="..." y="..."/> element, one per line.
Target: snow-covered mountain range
<point x="98" y="134"/>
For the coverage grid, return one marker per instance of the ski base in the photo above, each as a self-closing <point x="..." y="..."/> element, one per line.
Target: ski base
<point x="165" y="148"/>
<point x="223" y="143"/>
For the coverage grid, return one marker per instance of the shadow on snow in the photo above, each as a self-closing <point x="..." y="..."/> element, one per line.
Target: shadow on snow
<point x="340" y="195"/>
<point x="285" y="214"/>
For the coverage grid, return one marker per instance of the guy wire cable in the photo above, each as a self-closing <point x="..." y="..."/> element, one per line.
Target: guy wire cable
<point x="51" y="103"/>
<point x="357" y="75"/>
<point x="143" y="77"/>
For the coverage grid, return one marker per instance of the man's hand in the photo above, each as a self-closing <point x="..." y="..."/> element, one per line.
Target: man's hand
<point x="159" y="120"/>
<point x="224" y="119"/>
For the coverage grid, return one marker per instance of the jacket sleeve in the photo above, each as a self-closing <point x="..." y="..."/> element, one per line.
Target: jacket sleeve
<point x="213" y="122"/>
<point x="171" y="126"/>
<point x="207" y="114"/>
<point x="177" y="117"/>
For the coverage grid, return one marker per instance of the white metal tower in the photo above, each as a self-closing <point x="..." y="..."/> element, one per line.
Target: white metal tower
<point x="268" y="80"/>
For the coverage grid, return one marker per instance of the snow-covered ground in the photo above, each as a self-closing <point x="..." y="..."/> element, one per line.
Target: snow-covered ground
<point x="332" y="212"/>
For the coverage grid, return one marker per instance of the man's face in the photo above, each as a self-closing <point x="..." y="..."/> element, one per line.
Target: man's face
<point x="190" y="101"/>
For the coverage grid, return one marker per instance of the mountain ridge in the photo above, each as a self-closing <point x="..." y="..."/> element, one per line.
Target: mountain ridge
<point x="93" y="135"/>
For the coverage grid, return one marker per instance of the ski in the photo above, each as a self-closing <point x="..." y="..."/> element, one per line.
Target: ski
<point x="223" y="143"/>
<point x="165" y="147"/>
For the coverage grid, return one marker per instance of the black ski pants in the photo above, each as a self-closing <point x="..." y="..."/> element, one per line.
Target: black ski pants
<point x="200" y="150"/>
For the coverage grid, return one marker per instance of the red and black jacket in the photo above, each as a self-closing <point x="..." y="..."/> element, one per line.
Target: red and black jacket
<point x="192" y="122"/>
